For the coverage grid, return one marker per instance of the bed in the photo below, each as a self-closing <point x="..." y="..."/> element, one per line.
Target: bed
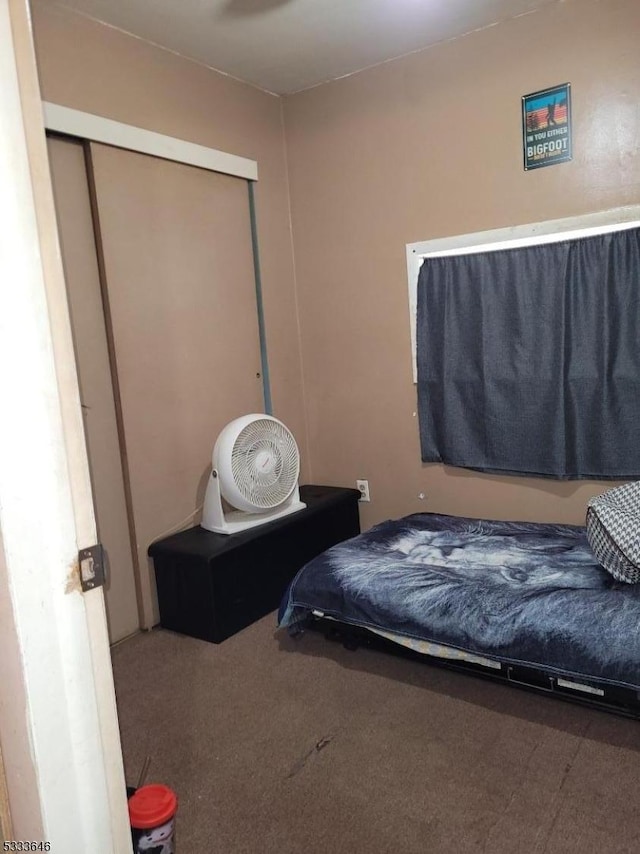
<point x="523" y="602"/>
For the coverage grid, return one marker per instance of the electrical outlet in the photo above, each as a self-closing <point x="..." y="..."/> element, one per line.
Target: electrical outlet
<point x="363" y="486"/>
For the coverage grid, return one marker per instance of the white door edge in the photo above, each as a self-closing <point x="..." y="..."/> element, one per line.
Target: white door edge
<point x="46" y="512"/>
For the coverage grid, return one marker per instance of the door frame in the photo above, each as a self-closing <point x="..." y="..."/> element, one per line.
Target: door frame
<point x="88" y="126"/>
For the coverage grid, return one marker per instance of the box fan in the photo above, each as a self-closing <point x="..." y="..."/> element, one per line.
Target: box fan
<point x="255" y="469"/>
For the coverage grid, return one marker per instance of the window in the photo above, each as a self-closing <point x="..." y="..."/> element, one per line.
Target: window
<point x="503" y="238"/>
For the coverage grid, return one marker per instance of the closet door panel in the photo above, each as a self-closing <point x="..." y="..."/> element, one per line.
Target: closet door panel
<point x="178" y="262"/>
<point x="77" y="240"/>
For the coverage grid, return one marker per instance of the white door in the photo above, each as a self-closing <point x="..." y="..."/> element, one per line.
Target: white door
<point x="58" y="724"/>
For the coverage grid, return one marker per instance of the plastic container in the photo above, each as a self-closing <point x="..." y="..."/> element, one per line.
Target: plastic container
<point x="152" y="811"/>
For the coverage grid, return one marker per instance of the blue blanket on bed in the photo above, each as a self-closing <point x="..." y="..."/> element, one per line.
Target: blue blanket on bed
<point x="521" y="592"/>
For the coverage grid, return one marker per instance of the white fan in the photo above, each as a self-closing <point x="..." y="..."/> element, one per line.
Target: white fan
<point x="256" y="464"/>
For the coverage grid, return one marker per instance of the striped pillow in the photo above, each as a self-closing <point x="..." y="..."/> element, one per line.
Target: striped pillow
<point x="613" y="531"/>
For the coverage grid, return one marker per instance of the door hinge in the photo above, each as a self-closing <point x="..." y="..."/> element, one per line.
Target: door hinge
<point x="91" y="563"/>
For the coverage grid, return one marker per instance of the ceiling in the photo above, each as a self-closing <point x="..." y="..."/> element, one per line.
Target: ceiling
<point x="284" y="46"/>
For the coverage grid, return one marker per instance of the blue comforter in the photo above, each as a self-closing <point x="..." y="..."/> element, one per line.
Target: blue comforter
<point x="521" y="592"/>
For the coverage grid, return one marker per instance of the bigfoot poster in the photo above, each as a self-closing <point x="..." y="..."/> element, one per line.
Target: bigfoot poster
<point x="546" y="126"/>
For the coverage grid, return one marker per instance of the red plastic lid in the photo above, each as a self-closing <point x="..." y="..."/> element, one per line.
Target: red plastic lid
<point x="152" y="806"/>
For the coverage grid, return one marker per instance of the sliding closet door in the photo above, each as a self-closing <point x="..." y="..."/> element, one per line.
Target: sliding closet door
<point x="78" y="246"/>
<point x="177" y="255"/>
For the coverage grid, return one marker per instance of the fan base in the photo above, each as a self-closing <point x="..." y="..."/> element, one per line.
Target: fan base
<point x="236" y="521"/>
<point x="215" y="519"/>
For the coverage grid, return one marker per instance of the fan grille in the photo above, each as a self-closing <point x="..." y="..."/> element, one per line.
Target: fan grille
<point x="265" y="463"/>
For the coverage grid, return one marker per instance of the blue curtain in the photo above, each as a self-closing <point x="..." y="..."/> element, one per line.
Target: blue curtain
<point x="529" y="359"/>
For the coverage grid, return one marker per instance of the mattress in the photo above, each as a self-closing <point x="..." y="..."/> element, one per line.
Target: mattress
<point x="529" y="594"/>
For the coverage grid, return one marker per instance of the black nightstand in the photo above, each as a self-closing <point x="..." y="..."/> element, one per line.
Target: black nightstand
<point x="212" y="585"/>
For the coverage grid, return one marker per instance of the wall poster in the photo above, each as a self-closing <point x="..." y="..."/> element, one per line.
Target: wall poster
<point x="546" y="126"/>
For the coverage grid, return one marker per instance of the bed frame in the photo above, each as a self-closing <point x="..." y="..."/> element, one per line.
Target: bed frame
<point x="615" y="699"/>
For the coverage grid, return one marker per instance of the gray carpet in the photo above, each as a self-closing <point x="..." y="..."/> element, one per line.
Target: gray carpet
<point x="276" y="745"/>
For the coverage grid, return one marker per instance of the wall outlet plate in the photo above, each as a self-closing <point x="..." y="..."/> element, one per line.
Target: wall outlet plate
<point x="363" y="487"/>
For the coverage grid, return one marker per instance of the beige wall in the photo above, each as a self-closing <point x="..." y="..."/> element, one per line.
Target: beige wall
<point x="418" y="148"/>
<point x="95" y="68"/>
<point x="428" y="146"/>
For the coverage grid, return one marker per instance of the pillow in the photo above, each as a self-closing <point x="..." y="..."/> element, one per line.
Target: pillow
<point x="613" y="531"/>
